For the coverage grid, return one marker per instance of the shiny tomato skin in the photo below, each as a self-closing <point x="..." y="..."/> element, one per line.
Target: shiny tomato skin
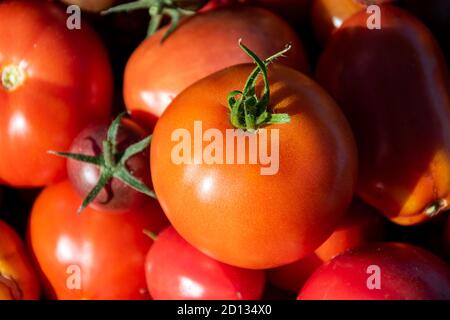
<point x="175" y="270"/>
<point x="67" y="84"/>
<point x="18" y="280"/>
<point x="91" y="5"/>
<point x="361" y="225"/>
<point x="328" y="15"/>
<point x="116" y="195"/>
<point x="108" y="248"/>
<point x="394" y="85"/>
<point x="156" y="73"/>
<point x="407" y="273"/>
<point x="230" y="211"/>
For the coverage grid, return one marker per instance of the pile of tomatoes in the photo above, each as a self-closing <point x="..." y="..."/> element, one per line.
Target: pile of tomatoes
<point x="355" y="98"/>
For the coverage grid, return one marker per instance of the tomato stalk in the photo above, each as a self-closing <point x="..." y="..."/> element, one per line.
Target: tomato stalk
<point x="150" y="234"/>
<point x="157" y="9"/>
<point x="112" y="164"/>
<point x="12" y="286"/>
<point x="248" y="112"/>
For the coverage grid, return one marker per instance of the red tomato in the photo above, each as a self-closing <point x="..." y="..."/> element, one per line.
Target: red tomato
<point x="54" y="81"/>
<point x="405" y="273"/>
<point x="175" y="270"/>
<point x="156" y="73"/>
<point x="392" y="83"/>
<point x="231" y="211"/>
<point x="361" y="225"/>
<point x="91" y="5"/>
<point x="18" y="281"/>
<point x="106" y="250"/>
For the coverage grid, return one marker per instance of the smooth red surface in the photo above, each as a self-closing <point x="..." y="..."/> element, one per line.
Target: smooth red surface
<point x="392" y="84"/>
<point x="68" y="84"/>
<point x="175" y="270"/>
<point x="156" y="73"/>
<point x="407" y="273"/>
<point x="109" y="248"/>
<point x="18" y="280"/>
<point x="361" y="225"/>
<point x="232" y="212"/>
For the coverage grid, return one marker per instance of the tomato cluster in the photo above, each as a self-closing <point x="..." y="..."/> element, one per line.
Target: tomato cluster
<point x="240" y="148"/>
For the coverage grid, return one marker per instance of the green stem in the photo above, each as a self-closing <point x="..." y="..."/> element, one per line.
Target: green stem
<point x="249" y="112"/>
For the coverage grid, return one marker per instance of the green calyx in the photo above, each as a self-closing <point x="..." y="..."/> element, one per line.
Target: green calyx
<point x="157" y="9"/>
<point x="248" y="111"/>
<point x="112" y="164"/>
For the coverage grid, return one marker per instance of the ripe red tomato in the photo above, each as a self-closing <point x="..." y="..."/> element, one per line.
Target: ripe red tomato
<point x="361" y="225"/>
<point x="392" y="83"/>
<point x="231" y="211"/>
<point x="91" y="5"/>
<point x="54" y="81"/>
<point x="405" y="273"/>
<point x="175" y="270"/>
<point x="106" y="250"/>
<point x="206" y="43"/>
<point x="18" y="281"/>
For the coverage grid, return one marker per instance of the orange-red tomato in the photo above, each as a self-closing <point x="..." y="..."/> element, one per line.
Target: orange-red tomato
<point x="232" y="212"/>
<point x="54" y="81"/>
<point x="95" y="255"/>
<point x="206" y="43"/>
<point x="361" y="225"/>
<point x="391" y="84"/>
<point x="18" y="281"/>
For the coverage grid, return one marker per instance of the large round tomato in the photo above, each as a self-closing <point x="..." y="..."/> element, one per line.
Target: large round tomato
<point x="361" y="225"/>
<point x="17" y="277"/>
<point x="386" y="271"/>
<point x="157" y="72"/>
<point x="235" y="212"/>
<point x="392" y="83"/>
<point x="95" y="255"/>
<point x="53" y="82"/>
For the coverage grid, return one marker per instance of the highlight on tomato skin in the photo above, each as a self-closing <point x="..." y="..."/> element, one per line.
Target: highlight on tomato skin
<point x="175" y="270"/>
<point x="389" y="97"/>
<point x="96" y="255"/>
<point x="204" y="44"/>
<point x="362" y="224"/>
<point x="18" y="279"/>
<point x="398" y="271"/>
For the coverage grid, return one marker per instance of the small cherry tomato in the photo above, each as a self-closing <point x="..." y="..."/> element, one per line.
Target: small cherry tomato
<point x="385" y="271"/>
<point x="175" y="270"/>
<point x="53" y="82"/>
<point x="362" y="224"/>
<point x="18" y="281"/>
<point x="95" y="255"/>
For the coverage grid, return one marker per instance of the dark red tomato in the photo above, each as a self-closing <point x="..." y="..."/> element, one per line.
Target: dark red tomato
<point x="54" y="81"/>
<point x="84" y="176"/>
<point x="392" y="83"/>
<point x="156" y="73"/>
<point x="328" y="15"/>
<point x="175" y="270"/>
<point x="385" y="271"/>
<point x="18" y="280"/>
<point x="95" y="255"/>
<point x="361" y="225"/>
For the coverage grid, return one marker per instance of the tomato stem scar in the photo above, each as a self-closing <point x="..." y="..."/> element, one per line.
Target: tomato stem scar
<point x="12" y="286"/>
<point x="436" y="207"/>
<point x="13" y="76"/>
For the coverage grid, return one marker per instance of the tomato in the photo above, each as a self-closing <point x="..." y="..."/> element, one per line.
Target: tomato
<point x="391" y="84"/>
<point x="156" y="73"/>
<point x="91" y="5"/>
<point x="361" y="225"/>
<point x="54" y="81"/>
<point x="106" y="184"/>
<point x="238" y="212"/>
<point x="18" y="281"/>
<point x="328" y="15"/>
<point x="177" y="271"/>
<point x="405" y="273"/>
<point x="95" y="255"/>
